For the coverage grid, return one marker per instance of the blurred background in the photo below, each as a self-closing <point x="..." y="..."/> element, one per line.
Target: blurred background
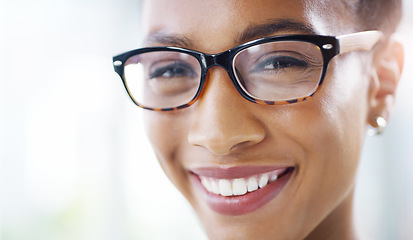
<point x="74" y="159"/>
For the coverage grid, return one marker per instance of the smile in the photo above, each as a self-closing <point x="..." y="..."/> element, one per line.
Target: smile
<point x="239" y="186"/>
<point x="240" y="190"/>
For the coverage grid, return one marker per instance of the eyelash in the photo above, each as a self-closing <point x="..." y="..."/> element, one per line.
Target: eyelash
<point x="159" y="72"/>
<point x="279" y="62"/>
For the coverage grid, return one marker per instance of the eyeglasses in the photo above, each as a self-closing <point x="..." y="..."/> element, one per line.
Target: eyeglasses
<point x="272" y="71"/>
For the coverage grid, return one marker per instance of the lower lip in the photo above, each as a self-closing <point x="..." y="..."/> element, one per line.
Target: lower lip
<point x="239" y="205"/>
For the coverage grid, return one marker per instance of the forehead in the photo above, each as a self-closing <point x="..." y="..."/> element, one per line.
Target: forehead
<point x="206" y="22"/>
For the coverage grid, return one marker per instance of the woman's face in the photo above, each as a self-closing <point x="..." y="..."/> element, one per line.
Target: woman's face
<point x="228" y="142"/>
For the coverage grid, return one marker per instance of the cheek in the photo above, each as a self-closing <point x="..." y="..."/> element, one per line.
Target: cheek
<point x="167" y="133"/>
<point x="329" y="130"/>
<point x="346" y="100"/>
<point x="336" y="116"/>
<point x="344" y="108"/>
<point x="160" y="127"/>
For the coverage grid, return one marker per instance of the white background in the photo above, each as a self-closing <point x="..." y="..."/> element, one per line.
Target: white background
<point x="75" y="162"/>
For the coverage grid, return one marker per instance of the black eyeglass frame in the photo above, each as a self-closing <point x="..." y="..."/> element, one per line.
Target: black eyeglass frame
<point x="328" y="45"/>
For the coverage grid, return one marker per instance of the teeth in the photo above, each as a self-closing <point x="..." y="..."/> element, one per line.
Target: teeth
<point x="263" y="180"/>
<point x="214" y="187"/>
<point x="252" y="184"/>
<point x="207" y="184"/>
<point x="239" y="186"/>
<point x="225" y="188"/>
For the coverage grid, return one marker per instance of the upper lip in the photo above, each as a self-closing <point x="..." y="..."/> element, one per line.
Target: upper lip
<point x="222" y="172"/>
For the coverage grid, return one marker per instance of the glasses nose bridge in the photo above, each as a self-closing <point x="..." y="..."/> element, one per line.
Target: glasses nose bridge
<point x="225" y="61"/>
<point x="220" y="60"/>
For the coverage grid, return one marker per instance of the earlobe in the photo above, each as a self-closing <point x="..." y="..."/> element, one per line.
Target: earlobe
<point x="385" y="76"/>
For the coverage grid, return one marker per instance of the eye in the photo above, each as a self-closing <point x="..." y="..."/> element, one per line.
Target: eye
<point x="170" y="77"/>
<point x="278" y="63"/>
<point x="172" y="70"/>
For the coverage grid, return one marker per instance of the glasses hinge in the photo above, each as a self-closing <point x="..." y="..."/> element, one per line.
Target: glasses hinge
<point x="117" y="63"/>
<point x="328" y="46"/>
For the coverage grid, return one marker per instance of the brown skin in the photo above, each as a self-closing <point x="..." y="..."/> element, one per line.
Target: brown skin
<point x="321" y="137"/>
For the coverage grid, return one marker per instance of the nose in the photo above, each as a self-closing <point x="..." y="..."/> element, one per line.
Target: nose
<point x="223" y="119"/>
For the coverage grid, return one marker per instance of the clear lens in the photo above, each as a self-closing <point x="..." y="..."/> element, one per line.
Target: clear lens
<point x="279" y="71"/>
<point x="162" y="79"/>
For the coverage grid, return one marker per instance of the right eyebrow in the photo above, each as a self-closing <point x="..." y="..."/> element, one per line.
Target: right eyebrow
<point x="169" y="40"/>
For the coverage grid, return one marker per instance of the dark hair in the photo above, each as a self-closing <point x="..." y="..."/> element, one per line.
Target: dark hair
<point x="376" y="14"/>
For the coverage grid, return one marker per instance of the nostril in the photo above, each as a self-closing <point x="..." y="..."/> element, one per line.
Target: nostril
<point x="241" y="145"/>
<point x="215" y="146"/>
<point x="225" y="144"/>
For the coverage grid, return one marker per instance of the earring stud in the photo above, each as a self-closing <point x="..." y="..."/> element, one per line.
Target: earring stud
<point x="381" y="124"/>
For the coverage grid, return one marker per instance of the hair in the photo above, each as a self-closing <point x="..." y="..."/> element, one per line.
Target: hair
<point x="383" y="15"/>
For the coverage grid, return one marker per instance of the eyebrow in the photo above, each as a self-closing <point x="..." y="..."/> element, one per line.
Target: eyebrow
<point x="254" y="31"/>
<point x="175" y="40"/>
<point x="272" y="27"/>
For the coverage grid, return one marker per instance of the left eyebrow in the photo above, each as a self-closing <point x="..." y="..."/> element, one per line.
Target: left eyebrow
<point x="272" y="27"/>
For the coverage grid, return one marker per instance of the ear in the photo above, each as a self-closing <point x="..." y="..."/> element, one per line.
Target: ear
<point x="385" y="75"/>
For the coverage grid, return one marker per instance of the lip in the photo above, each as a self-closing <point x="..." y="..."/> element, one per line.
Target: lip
<point x="239" y="205"/>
